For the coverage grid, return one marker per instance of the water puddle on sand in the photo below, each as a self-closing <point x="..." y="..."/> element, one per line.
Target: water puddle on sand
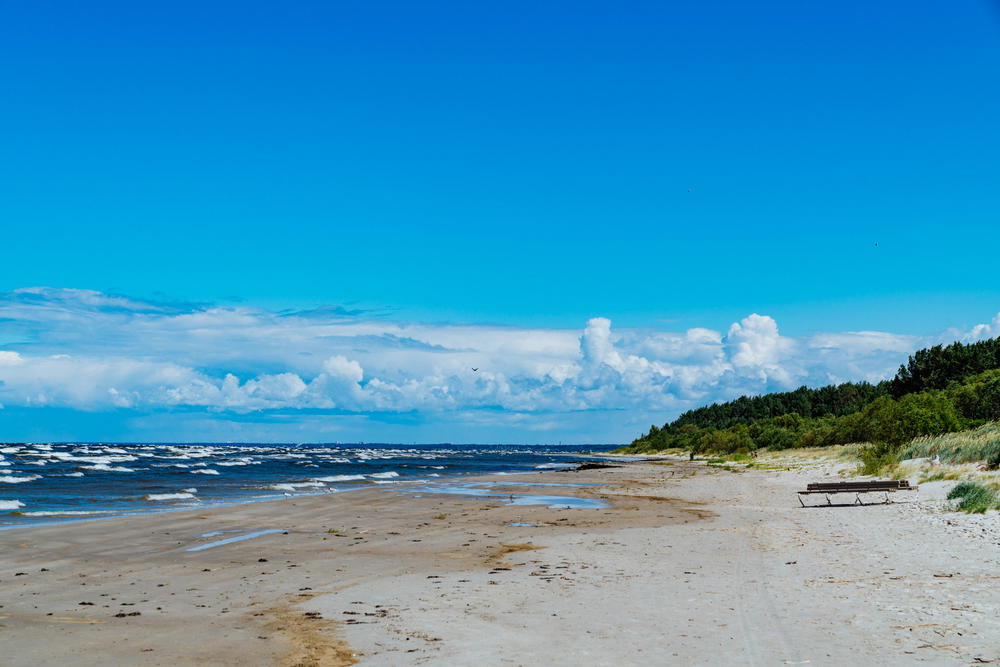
<point x="556" y="502"/>
<point x="238" y="538"/>
<point x="521" y="524"/>
<point x="217" y="532"/>
<point x="574" y="485"/>
<point x="553" y="502"/>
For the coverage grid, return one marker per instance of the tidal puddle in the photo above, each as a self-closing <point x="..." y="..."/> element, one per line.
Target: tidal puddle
<point x="553" y="502"/>
<point x="238" y="538"/>
<point x="217" y="532"/>
<point x="576" y="485"/>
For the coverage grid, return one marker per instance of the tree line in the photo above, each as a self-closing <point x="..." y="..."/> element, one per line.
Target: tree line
<point x="939" y="390"/>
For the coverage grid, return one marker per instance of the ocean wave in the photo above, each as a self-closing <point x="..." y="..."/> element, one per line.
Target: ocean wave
<point x="205" y="471"/>
<point x="340" y="478"/>
<point x="294" y="486"/>
<point x="104" y="467"/>
<point x="98" y="460"/>
<point x="169" y="496"/>
<point x="10" y="504"/>
<point x="384" y="475"/>
<point x="19" y="480"/>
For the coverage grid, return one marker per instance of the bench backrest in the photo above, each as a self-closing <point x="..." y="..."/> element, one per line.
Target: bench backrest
<point x="876" y="484"/>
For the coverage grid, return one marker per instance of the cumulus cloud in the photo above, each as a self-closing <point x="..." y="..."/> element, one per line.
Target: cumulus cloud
<point x="91" y="351"/>
<point x="984" y="331"/>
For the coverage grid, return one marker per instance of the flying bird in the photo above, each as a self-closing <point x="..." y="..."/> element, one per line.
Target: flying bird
<point x="475" y="370"/>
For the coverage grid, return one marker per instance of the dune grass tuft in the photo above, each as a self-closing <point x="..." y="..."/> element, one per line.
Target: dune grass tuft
<point x="981" y="444"/>
<point x="973" y="497"/>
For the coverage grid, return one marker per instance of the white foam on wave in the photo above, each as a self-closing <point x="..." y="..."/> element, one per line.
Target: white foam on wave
<point x="384" y="475"/>
<point x="240" y="462"/>
<point x="19" y="480"/>
<point x="72" y="474"/>
<point x="205" y="471"/>
<point x="169" y="496"/>
<point x="10" y="504"/>
<point x="104" y="467"/>
<point x="293" y="486"/>
<point x="99" y="460"/>
<point x="340" y="478"/>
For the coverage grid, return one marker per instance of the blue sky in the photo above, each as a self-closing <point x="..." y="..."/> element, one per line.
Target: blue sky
<point x="668" y="166"/>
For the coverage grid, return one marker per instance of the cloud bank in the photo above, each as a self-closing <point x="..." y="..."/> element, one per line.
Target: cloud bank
<point x="88" y="351"/>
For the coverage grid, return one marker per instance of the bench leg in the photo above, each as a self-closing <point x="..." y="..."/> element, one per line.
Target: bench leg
<point x="828" y="500"/>
<point x="800" y="501"/>
<point x="857" y="499"/>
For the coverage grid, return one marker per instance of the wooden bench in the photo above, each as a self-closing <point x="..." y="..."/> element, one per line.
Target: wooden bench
<point x="857" y="488"/>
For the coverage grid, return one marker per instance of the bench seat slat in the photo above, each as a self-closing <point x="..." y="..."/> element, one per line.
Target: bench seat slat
<point x="860" y="491"/>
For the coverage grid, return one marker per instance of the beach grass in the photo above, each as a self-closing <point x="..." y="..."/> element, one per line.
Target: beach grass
<point x="973" y="497"/>
<point x="981" y="444"/>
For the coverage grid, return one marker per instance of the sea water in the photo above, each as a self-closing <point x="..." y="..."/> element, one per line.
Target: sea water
<point x="59" y="482"/>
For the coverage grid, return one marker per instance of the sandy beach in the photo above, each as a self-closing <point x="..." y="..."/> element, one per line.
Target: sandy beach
<point x="687" y="564"/>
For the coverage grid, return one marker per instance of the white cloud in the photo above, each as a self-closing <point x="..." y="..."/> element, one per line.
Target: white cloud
<point x="91" y="351"/>
<point x="984" y="331"/>
<point x="758" y="351"/>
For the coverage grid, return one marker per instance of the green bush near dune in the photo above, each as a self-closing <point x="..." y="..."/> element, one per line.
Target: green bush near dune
<point x="896" y="422"/>
<point x="876" y="457"/>
<point x="973" y="497"/>
<point x="979" y="396"/>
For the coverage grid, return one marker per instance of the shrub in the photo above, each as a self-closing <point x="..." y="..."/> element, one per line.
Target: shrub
<point x="973" y="497"/>
<point x="876" y="457"/>
<point x="775" y="437"/>
<point x="897" y="422"/>
<point x="979" y="397"/>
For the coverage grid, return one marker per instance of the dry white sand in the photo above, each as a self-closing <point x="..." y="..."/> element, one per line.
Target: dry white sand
<point x="690" y="565"/>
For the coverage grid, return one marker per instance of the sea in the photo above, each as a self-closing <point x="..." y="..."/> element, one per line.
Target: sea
<point x="42" y="483"/>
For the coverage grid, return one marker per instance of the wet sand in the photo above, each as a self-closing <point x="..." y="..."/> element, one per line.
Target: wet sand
<point x="687" y="564"/>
